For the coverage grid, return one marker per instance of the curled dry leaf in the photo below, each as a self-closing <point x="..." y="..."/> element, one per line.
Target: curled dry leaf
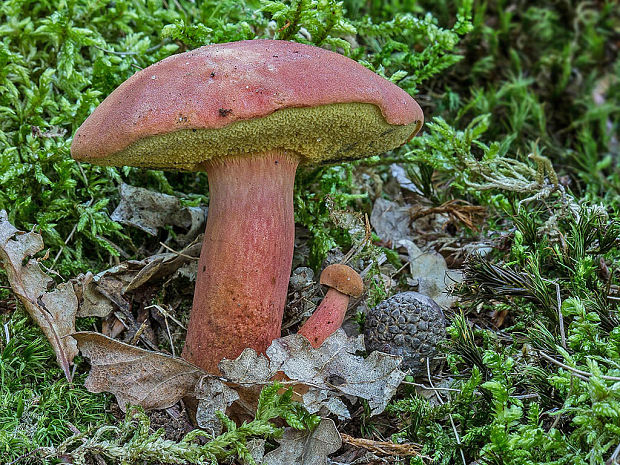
<point x="306" y="447"/>
<point x="150" y="211"/>
<point x="52" y="307"/>
<point x="136" y="376"/>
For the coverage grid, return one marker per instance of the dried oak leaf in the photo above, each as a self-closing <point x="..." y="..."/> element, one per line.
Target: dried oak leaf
<point x="334" y="368"/>
<point x="306" y="447"/>
<point x="136" y="376"/>
<point x="213" y="396"/>
<point x="391" y="221"/>
<point x="52" y="307"/>
<point x="247" y="368"/>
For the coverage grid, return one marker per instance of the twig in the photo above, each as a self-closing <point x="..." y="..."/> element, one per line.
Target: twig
<point x="26" y="455"/>
<point x="527" y="396"/>
<point x="584" y="375"/>
<point x="355" y="250"/>
<point x="384" y="447"/>
<point x="400" y="269"/>
<point x="560" y="316"/>
<point x="430" y="381"/>
<point x="178" y="253"/>
<point x="166" y="314"/>
<point x="456" y="434"/>
<point x="141" y="329"/>
<point x="458" y="439"/>
<point x="428" y="387"/>
<point x="114" y="246"/>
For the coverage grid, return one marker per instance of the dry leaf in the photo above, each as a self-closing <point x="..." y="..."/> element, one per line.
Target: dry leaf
<point x="136" y="376"/>
<point x="101" y="293"/>
<point x="432" y="273"/>
<point x="318" y="400"/>
<point x="248" y="368"/>
<point x="154" y="380"/>
<point x="306" y="447"/>
<point x="399" y="173"/>
<point x="52" y="307"/>
<point x="335" y="368"/>
<point x="213" y="396"/>
<point x="150" y="211"/>
<point x="390" y="220"/>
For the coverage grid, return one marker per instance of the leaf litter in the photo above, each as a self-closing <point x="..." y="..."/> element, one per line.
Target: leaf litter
<point x="329" y="375"/>
<point x="52" y="306"/>
<point x="306" y="447"/>
<point x="154" y="381"/>
<point x="150" y="211"/>
<point x="431" y="276"/>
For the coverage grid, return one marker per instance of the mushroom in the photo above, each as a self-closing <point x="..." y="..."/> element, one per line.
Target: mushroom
<point x="408" y="324"/>
<point x="248" y="113"/>
<point x="343" y="282"/>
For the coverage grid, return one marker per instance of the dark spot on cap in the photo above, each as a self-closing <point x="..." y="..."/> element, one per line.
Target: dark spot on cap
<point x="225" y="111"/>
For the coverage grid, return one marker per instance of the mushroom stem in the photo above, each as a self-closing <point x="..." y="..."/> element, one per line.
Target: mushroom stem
<point x="246" y="257"/>
<point x="326" y="319"/>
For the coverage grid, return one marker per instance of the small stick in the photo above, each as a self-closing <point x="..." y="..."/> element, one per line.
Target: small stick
<point x="136" y="336"/>
<point x="613" y="460"/>
<point x="584" y="375"/>
<point x="178" y="253"/>
<point x="166" y="314"/>
<point x="428" y="387"/>
<point x="456" y="434"/>
<point x="26" y="455"/>
<point x="560" y="316"/>
<point x="384" y="447"/>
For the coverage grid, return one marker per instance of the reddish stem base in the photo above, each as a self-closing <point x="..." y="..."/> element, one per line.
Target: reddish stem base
<point x="246" y="257"/>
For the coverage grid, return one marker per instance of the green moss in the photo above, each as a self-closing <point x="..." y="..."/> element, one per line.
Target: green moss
<point x="37" y="404"/>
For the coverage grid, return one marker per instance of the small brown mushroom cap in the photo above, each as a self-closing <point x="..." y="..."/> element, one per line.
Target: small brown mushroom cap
<point x="245" y="97"/>
<point x="344" y="279"/>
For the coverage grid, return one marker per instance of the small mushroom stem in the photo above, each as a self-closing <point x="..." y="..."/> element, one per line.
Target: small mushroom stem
<point x="246" y="257"/>
<point x="326" y="319"/>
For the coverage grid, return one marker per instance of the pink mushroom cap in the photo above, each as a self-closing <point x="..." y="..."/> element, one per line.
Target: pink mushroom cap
<point x="216" y="86"/>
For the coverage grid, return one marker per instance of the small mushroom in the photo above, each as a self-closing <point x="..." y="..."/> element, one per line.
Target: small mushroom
<point x="248" y="113"/>
<point x="408" y="324"/>
<point x="343" y="282"/>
